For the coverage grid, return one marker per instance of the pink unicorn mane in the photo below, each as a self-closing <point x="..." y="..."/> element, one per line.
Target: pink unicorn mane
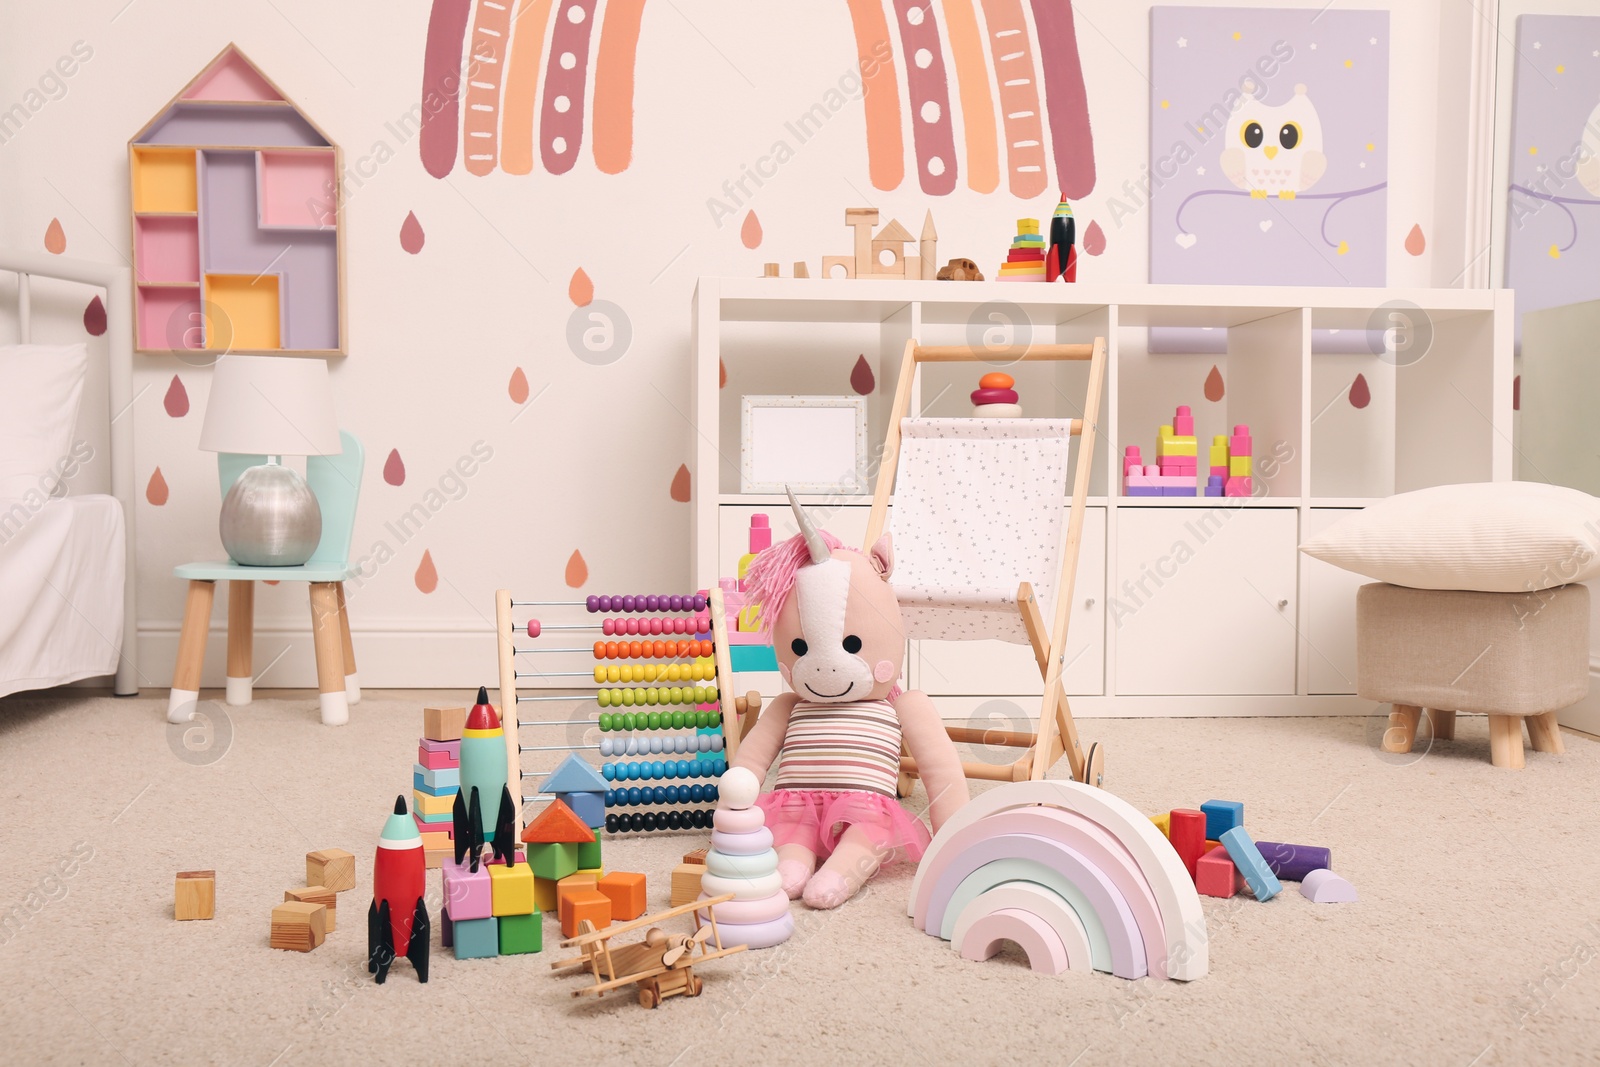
<point x="771" y="576"/>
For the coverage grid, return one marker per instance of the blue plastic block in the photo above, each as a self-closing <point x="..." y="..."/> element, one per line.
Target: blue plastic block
<point x="439" y="780"/>
<point x="421" y="784"/>
<point x="573" y="775"/>
<point x="589" y="806"/>
<point x="476" y="939"/>
<point x="1245" y="856"/>
<point x="752" y="658"/>
<point x="1222" y="816"/>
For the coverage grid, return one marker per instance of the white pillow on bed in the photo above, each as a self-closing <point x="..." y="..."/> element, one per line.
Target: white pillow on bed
<point x="41" y="387"/>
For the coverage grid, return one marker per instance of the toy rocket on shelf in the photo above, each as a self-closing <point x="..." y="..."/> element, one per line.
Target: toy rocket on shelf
<point x="483" y="775"/>
<point x="1061" y="263"/>
<point x="399" y="914"/>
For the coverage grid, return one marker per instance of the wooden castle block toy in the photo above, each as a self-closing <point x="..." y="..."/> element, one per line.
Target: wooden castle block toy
<point x="872" y="250"/>
<point x="580" y="787"/>
<point x="444" y="724"/>
<point x="331" y="867"/>
<point x="195" y="895"/>
<point x="318" y="894"/>
<point x="298" y="925"/>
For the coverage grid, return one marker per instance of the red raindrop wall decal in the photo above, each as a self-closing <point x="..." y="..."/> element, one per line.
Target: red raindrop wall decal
<point x="680" y="484"/>
<point x="750" y="231"/>
<point x="577" y="570"/>
<point x="177" y="399"/>
<point x="394" y="468"/>
<point x="1415" y="242"/>
<point x="518" y="387"/>
<point x="156" y="491"/>
<point x="580" y="289"/>
<point x="1094" y="239"/>
<point x="722" y="374"/>
<point x="411" y="235"/>
<point x="1360" y="393"/>
<point x="861" y="379"/>
<point x="94" y="317"/>
<point x="55" y="238"/>
<point x="427" y="576"/>
<point x="1214" y="389"/>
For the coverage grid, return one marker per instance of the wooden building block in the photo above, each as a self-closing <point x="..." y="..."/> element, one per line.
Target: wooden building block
<point x="626" y="889"/>
<point x="1215" y="874"/>
<point x="298" y="925"/>
<point x="589" y="855"/>
<point x="896" y="267"/>
<point x="1222" y="816"/>
<point x="554" y="859"/>
<point x="195" y="895"/>
<point x="800" y="269"/>
<point x="861" y="220"/>
<point x="1187" y="832"/>
<point x="546" y="894"/>
<point x="521" y="933"/>
<point x="331" y="867"/>
<point x="770" y="270"/>
<point x="429" y="804"/>
<point x="1257" y="875"/>
<point x="475" y="939"/>
<point x="697" y="855"/>
<point x="686" y="882"/>
<point x="584" y="904"/>
<point x="1163" y="823"/>
<point x="830" y="262"/>
<point x="511" y="889"/>
<point x="318" y="894"/>
<point x="443" y="724"/>
<point x="572" y="883"/>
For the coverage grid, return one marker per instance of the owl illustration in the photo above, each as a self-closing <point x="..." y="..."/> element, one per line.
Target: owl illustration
<point x="1276" y="150"/>
<point x="1589" y="157"/>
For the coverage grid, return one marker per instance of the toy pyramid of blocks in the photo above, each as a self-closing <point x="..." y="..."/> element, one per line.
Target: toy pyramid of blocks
<point x="743" y="862"/>
<point x="1174" y="472"/>
<point x="1232" y="466"/>
<point x="436" y="779"/>
<point x="1025" y="261"/>
<point x="490" y="911"/>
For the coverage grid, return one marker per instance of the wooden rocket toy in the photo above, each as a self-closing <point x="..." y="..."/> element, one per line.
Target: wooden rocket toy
<point x="483" y="782"/>
<point x="399" y="913"/>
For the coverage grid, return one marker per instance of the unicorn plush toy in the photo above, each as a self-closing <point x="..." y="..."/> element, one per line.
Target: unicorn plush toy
<point x="840" y="641"/>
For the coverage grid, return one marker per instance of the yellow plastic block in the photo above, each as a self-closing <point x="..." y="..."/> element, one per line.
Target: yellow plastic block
<point x="1219" y="450"/>
<point x="545" y="894"/>
<point x="1027" y="225"/>
<point x="1163" y="823"/>
<point x="511" y="889"/>
<point x="164" y="180"/>
<point x="242" y="313"/>
<point x="596" y="873"/>
<point x="427" y="804"/>
<point x="1239" y="467"/>
<point x="1176" y="446"/>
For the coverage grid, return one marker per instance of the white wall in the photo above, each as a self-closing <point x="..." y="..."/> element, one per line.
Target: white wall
<point x="435" y="337"/>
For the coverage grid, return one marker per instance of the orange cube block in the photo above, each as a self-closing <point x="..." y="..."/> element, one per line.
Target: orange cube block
<point x="581" y="904"/>
<point x="626" y="892"/>
<point x="573" y="883"/>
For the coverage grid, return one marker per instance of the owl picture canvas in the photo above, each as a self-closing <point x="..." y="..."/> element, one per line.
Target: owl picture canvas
<point x="1276" y="151"/>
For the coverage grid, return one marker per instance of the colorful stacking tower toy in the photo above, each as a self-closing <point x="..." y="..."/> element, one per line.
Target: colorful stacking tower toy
<point x="1174" y="471"/>
<point x="742" y="861"/>
<point x="436" y="779"/>
<point x="996" y="397"/>
<point x="1025" y="261"/>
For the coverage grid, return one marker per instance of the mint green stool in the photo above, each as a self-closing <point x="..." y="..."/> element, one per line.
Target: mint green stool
<point x="336" y="482"/>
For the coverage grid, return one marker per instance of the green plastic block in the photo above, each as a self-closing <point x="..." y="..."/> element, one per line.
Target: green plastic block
<point x="589" y="855"/>
<point x="553" y="861"/>
<point x="521" y="933"/>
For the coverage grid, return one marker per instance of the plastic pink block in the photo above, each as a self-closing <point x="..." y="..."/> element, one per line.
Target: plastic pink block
<point x="1037" y="939"/>
<point x="1219" y="472"/>
<point x="1239" y="447"/>
<point x="1237" y="487"/>
<point x="1152" y="470"/>
<point x="1176" y="481"/>
<point x="436" y="760"/>
<point x="1183" y="422"/>
<point x="1241" y="430"/>
<point x="1141" y="481"/>
<point x="467" y="893"/>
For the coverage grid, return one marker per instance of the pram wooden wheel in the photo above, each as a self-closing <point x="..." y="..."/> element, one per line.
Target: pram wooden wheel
<point x="1094" y="766"/>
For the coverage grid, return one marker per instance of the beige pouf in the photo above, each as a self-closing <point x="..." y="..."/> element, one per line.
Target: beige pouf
<point x="1511" y="655"/>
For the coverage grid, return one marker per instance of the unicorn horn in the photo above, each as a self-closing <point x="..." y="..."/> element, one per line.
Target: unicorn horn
<point x="814" y="541"/>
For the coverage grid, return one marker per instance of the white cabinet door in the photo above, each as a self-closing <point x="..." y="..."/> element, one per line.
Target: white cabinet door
<point x="1204" y="600"/>
<point x="999" y="668"/>
<point x="1330" y="595"/>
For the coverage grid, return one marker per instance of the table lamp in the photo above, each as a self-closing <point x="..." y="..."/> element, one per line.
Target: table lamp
<point x="273" y="406"/>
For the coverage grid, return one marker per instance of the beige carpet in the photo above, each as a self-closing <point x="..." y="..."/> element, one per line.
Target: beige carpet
<point x="1474" y="941"/>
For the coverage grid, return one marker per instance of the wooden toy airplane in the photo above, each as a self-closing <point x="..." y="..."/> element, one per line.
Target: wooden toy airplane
<point x="662" y="965"/>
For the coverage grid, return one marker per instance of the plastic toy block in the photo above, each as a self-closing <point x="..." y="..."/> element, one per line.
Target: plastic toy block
<point x="450" y="748"/>
<point x="1163" y="823"/>
<point x="686" y="882"/>
<point x="1176" y="490"/>
<point x="331" y="867"/>
<point x="446" y="928"/>
<point x="433" y="839"/>
<point x="1240" y="445"/>
<point x="1187" y="832"/>
<point x="589" y="855"/>
<point x="1222" y="816"/>
<point x="572" y="883"/>
<point x="626" y="891"/>
<point x="553" y="859"/>
<point x="437" y="780"/>
<point x="590" y="805"/>
<point x="194" y="896"/>
<point x="584" y="904"/>
<point x="1141" y="481"/>
<point x="1177" y="446"/>
<point x="429" y="804"/>
<point x="521" y="934"/>
<point x="574" y="775"/>
<point x="468" y="893"/>
<point x="1257" y="875"/>
<point x="519" y="857"/>
<point x="1240" y="467"/>
<point x="443" y="724"/>
<point x="756" y="656"/>
<point x="1325" y="887"/>
<point x="475" y="939"/>
<point x="318" y="894"/>
<point x="1131" y="459"/>
<point x="1214" y="490"/>
<point x="419" y="784"/>
<point x="1291" y="863"/>
<point x="298" y="926"/>
<point x="511" y="889"/>
<point x="1142" y="490"/>
<point x="1183" y="421"/>
<point x="596" y="873"/>
<point x="436" y="761"/>
<point x="545" y="892"/>
<point x="1237" y="487"/>
<point x="1216" y="876"/>
<point x="557" y="824"/>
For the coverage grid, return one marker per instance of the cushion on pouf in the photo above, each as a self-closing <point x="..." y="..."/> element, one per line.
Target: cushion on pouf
<point x="1455" y="650"/>
<point x="1493" y="537"/>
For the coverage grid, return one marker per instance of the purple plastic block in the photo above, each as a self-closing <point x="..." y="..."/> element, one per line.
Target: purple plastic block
<point x="1293" y="862"/>
<point x="1178" y="490"/>
<point x="1141" y="490"/>
<point x="447" y="936"/>
<point x="1325" y="887"/>
<point x="1214" y="490"/>
<point x="452" y="747"/>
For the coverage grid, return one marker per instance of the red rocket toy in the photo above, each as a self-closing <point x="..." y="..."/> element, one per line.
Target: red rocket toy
<point x="1061" y="264"/>
<point x="399" y="914"/>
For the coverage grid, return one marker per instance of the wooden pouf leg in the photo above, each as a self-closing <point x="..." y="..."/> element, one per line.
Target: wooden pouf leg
<point x="1545" y="733"/>
<point x="352" y="684"/>
<point x="191" y="652"/>
<point x="1443" y="724"/>
<point x="241" y="640"/>
<point x="1505" y="741"/>
<point x="330" y="653"/>
<point x="1402" y="729"/>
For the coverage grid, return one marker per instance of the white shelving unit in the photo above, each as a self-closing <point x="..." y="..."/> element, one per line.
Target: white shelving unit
<point x="1198" y="606"/>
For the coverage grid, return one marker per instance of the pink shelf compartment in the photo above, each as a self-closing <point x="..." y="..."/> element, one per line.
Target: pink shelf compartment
<point x="231" y="80"/>
<point x="169" y="317"/>
<point x="167" y="248"/>
<point x="296" y="190"/>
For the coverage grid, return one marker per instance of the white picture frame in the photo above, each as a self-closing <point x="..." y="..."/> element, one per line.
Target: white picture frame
<point x="811" y="444"/>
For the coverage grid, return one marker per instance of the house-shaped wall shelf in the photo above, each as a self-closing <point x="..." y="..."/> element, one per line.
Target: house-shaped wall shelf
<point x="238" y="231"/>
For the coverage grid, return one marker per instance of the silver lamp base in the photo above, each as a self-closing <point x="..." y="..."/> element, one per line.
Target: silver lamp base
<point x="270" y="518"/>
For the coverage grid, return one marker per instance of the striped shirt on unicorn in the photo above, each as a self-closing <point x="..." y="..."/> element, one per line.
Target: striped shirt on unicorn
<point x="846" y="746"/>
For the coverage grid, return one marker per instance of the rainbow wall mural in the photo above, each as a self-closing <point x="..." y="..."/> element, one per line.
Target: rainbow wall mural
<point x="507" y="82"/>
<point x="1074" y="876"/>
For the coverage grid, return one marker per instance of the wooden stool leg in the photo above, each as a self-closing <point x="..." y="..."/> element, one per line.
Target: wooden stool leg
<point x="330" y="656"/>
<point x="1505" y="741"/>
<point x="1402" y="729"/>
<point x="352" y="684"/>
<point x="1443" y="724"/>
<point x="241" y="640"/>
<point x="1545" y="733"/>
<point x="191" y="652"/>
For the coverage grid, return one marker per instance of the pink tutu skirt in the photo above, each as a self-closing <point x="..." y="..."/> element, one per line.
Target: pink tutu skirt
<point x="817" y="818"/>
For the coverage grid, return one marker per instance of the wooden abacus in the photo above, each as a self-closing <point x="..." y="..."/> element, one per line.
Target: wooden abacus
<point x="686" y="639"/>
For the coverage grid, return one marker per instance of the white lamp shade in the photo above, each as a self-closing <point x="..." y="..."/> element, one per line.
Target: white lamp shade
<point x="271" y="405"/>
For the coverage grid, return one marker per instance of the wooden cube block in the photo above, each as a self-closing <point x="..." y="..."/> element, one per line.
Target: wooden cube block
<point x="195" y="895"/>
<point x="686" y="882"/>
<point x="589" y="855"/>
<point x="545" y="894"/>
<point x="443" y="724"/>
<point x="521" y="933"/>
<point x="573" y="883"/>
<point x="331" y="867"/>
<point x="511" y="889"/>
<point x="584" y="904"/>
<point x="1163" y="823"/>
<point x="299" y="925"/>
<point x="697" y="856"/>
<point x="626" y="890"/>
<point x="318" y="894"/>
<point x="553" y="860"/>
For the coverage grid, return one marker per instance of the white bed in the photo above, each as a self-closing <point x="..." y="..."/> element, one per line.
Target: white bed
<point x="67" y="606"/>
